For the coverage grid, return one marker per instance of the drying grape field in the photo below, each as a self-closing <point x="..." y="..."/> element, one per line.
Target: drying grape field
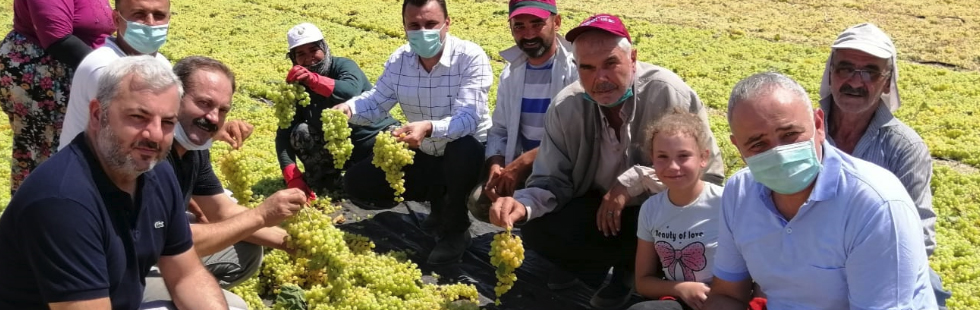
<point x="710" y="43"/>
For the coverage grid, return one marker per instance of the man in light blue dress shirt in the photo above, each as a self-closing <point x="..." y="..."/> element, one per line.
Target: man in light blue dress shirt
<point x="813" y="226"/>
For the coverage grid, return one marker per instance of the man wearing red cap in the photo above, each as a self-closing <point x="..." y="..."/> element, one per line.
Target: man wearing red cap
<point x="539" y="66"/>
<point x="588" y="143"/>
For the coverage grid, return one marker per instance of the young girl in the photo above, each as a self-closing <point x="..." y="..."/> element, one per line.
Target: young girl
<point x="678" y="229"/>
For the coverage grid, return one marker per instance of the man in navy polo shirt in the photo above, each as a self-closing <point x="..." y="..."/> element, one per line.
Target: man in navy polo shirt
<point x="84" y="229"/>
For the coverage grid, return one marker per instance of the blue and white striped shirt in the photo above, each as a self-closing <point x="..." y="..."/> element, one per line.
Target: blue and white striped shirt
<point x="535" y="101"/>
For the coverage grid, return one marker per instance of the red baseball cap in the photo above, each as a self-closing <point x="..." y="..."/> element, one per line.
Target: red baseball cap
<point x="604" y="22"/>
<point x="538" y="8"/>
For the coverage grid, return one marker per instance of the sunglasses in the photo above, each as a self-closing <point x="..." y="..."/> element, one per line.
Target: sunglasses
<point x="867" y="75"/>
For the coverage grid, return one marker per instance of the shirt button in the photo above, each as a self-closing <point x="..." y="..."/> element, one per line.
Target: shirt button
<point x="789" y="230"/>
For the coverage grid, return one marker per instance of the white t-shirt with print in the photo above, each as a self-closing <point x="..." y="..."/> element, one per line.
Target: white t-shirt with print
<point x="685" y="237"/>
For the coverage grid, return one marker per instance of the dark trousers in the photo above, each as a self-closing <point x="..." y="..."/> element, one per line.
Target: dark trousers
<point x="660" y="305"/>
<point x="310" y="148"/>
<point x="570" y="239"/>
<point x="444" y="181"/>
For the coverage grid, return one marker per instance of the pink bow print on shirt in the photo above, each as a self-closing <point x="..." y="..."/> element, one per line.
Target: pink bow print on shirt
<point x="690" y="257"/>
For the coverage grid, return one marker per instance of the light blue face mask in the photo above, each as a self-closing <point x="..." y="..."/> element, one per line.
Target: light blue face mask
<point x="626" y="95"/>
<point x="425" y="42"/>
<point x="786" y="169"/>
<point x="145" y="39"/>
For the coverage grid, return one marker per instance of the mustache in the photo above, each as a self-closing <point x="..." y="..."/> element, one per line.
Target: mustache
<point x="848" y="90"/>
<point x="540" y="41"/>
<point x="604" y="87"/>
<point x="147" y="144"/>
<point x="205" y="124"/>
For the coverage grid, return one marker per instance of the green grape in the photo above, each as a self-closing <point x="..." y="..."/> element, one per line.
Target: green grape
<point x="507" y="254"/>
<point x="358" y="244"/>
<point x="391" y="156"/>
<point x="284" y="97"/>
<point x="336" y="134"/>
<point x="236" y="167"/>
<point x="249" y="291"/>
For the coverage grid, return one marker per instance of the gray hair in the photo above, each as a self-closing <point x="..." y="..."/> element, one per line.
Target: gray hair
<point x="621" y="42"/>
<point x="765" y="83"/>
<point x="146" y="70"/>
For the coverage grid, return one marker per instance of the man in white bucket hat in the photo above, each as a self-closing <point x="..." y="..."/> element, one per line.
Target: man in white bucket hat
<point x="859" y="93"/>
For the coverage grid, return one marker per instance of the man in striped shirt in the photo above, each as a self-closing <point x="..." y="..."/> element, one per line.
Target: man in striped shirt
<point x="442" y="84"/>
<point x="859" y="92"/>
<point x="539" y="66"/>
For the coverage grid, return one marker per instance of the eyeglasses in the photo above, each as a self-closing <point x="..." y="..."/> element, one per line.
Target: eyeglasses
<point x="535" y="26"/>
<point x="867" y="75"/>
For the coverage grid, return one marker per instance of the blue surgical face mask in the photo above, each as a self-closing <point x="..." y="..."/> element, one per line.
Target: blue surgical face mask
<point x="425" y="42"/>
<point x="626" y="95"/>
<point x="786" y="169"/>
<point x="145" y="39"/>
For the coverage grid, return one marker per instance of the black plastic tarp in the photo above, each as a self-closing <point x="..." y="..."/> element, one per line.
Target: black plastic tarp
<point x="397" y="229"/>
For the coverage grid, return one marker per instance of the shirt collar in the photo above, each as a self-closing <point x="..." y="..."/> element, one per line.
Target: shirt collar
<point x="447" y="51"/>
<point x="883" y="117"/>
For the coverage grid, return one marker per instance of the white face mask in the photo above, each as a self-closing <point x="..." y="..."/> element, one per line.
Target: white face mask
<point x="181" y="136"/>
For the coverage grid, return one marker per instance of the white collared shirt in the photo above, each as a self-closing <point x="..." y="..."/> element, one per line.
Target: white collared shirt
<point x="453" y="96"/>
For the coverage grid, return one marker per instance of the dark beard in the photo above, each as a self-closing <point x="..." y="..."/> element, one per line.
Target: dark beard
<point x="535" y="52"/>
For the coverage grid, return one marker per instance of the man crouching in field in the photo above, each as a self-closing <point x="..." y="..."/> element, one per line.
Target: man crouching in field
<point x="231" y="243"/>
<point x="859" y="92"/>
<point x="442" y="84"/>
<point x="85" y="228"/>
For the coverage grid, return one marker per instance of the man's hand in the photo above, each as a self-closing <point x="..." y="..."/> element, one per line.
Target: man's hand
<point x="281" y="205"/>
<point x="693" y="293"/>
<point x="495" y="166"/>
<point x="343" y="107"/>
<point x="235" y="133"/>
<point x="414" y="133"/>
<point x="507" y="180"/>
<point x="607" y="218"/>
<point x="506" y="211"/>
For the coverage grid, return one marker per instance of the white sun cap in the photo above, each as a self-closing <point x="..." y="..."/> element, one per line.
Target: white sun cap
<point x="302" y="34"/>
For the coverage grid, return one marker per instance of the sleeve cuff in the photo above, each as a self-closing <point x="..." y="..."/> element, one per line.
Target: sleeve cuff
<point x="729" y="276"/>
<point x="440" y="129"/>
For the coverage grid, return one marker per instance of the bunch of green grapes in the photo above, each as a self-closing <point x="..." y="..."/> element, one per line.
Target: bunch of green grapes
<point x="391" y="156"/>
<point x="249" y="291"/>
<point x="237" y="171"/>
<point x="313" y="236"/>
<point x="507" y="254"/>
<point x="278" y="268"/>
<point x="336" y="134"/>
<point x="358" y="244"/>
<point x="284" y="97"/>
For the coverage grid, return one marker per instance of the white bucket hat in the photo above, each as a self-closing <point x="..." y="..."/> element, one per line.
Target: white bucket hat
<point x="302" y="34"/>
<point x="870" y="39"/>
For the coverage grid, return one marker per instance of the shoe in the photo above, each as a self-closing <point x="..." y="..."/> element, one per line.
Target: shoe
<point x="561" y="280"/>
<point x="449" y="249"/>
<point x="616" y="293"/>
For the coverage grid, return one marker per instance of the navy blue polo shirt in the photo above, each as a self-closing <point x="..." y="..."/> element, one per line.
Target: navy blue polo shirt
<point x="195" y="173"/>
<point x="70" y="234"/>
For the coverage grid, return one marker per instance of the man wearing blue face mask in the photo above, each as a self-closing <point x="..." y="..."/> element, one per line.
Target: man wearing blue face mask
<point x="141" y="28"/>
<point x="582" y="201"/>
<point x="813" y="226"/>
<point x="442" y="84"/>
